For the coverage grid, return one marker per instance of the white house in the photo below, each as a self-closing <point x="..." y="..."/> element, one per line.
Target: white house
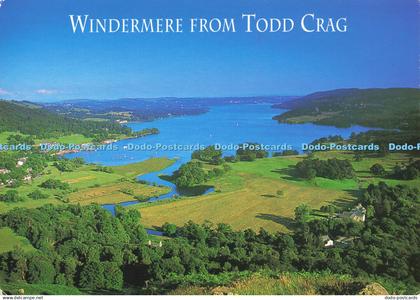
<point x="21" y="161"/>
<point x="4" y="171"/>
<point x="327" y="241"/>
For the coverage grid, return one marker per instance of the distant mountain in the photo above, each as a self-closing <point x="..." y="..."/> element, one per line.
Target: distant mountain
<point x="29" y="118"/>
<point x="145" y="109"/>
<point x="394" y="108"/>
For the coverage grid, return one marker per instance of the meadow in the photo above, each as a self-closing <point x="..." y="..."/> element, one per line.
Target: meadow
<point x="88" y="185"/>
<point x="265" y="192"/>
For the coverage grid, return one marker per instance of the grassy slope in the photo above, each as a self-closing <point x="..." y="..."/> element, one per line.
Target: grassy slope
<point x="9" y="240"/>
<point x="86" y="181"/>
<point x="246" y="196"/>
<point x="38" y="289"/>
<point x="301" y="283"/>
<point x="4" y="135"/>
<point x="67" y="139"/>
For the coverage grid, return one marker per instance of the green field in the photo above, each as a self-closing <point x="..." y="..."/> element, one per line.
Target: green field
<point x="9" y="240"/>
<point x="143" y="167"/>
<point x="246" y="196"/>
<point x="67" y="139"/>
<point x="91" y="186"/>
<point x="112" y="193"/>
<point x="5" y="134"/>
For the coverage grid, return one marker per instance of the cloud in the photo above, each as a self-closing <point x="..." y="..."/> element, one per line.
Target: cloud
<point x="45" y="92"/>
<point x="4" y="92"/>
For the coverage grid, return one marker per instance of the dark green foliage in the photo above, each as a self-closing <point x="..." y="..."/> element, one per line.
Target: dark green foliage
<point x="130" y="220"/>
<point x="92" y="276"/>
<point x="192" y="174"/>
<point x="412" y="171"/>
<point x="113" y="276"/>
<point x="11" y="196"/>
<point x="231" y="158"/>
<point x="250" y="152"/>
<point x="302" y="213"/>
<point x="209" y="154"/>
<point x="34" y="165"/>
<point x="377" y="169"/>
<point x="37" y="194"/>
<point x="331" y="168"/>
<point x="94" y="250"/>
<point x="55" y="184"/>
<point x="16" y="139"/>
<point x="169" y="229"/>
<point x="384" y="245"/>
<point x="328" y="139"/>
<point x="145" y="132"/>
<point x="41" y="123"/>
<point x="83" y="246"/>
<point x="68" y="165"/>
<point x="189" y="174"/>
<point x="380" y="108"/>
<point x="104" y="169"/>
<point x="384" y="137"/>
<point x="40" y="269"/>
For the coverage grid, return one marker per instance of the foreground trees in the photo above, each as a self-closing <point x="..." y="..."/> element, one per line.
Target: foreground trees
<point x="91" y="249"/>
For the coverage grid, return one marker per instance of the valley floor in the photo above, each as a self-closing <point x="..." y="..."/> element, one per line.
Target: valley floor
<point x="247" y="196"/>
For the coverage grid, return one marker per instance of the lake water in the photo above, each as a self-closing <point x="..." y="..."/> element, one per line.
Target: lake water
<point x="225" y="125"/>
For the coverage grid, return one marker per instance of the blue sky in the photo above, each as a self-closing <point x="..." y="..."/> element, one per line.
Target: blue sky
<point x="41" y="59"/>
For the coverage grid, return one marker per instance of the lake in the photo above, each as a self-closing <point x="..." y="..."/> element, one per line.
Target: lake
<point x="224" y="125"/>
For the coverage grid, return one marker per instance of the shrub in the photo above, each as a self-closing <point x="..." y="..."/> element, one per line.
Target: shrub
<point x="37" y="194"/>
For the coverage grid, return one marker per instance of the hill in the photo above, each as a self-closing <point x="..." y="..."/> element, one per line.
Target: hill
<point x="146" y="109"/>
<point x="30" y="119"/>
<point x="394" y="108"/>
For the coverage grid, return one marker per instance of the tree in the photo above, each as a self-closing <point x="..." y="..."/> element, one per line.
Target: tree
<point x="169" y="229"/>
<point x="37" y="194"/>
<point x="113" y="276"/>
<point x="17" y="264"/>
<point x="55" y="184"/>
<point x="92" y="275"/>
<point x="330" y="209"/>
<point x="11" y="196"/>
<point x="330" y="168"/>
<point x="189" y="174"/>
<point x="377" y="169"/>
<point x="40" y="270"/>
<point x="250" y="152"/>
<point x="208" y="154"/>
<point x="302" y="213"/>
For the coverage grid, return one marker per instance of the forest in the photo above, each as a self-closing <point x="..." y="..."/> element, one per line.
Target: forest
<point x="394" y="108"/>
<point x="40" y="123"/>
<point x="92" y="250"/>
